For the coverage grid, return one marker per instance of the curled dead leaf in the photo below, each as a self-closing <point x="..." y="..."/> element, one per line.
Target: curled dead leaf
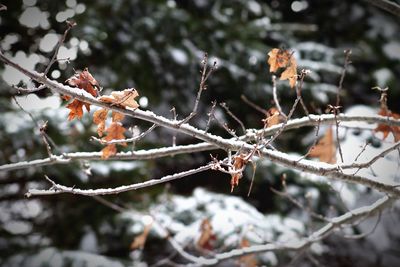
<point x="125" y="98"/>
<point x="238" y="165"/>
<point x="85" y="81"/>
<point x="280" y="58"/>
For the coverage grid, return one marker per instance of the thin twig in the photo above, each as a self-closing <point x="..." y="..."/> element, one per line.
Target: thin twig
<point x="173" y="110"/>
<point x="28" y="90"/>
<point x="42" y="129"/>
<point x="362" y="235"/>
<point x="70" y="25"/>
<point x="252" y="178"/>
<point x="210" y="115"/>
<point x="314" y="143"/>
<point x="373" y="160"/>
<point x="299" y="205"/>
<point x="254" y="105"/>
<point x="362" y="150"/>
<point x="224" y="106"/>
<point x="109" y="204"/>
<point x="347" y="61"/>
<point x="128" y="140"/>
<point x="299" y="87"/>
<point x="335" y="110"/>
<point x="275" y="96"/>
<point x="204" y="77"/>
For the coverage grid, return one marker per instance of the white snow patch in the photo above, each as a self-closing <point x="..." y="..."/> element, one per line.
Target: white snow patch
<point x="32" y="102"/>
<point x="17" y="227"/>
<point x="392" y="50"/>
<point x="179" y="56"/>
<point x="12" y="76"/>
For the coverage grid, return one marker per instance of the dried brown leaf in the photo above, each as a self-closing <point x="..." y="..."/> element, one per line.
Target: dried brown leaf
<point x="140" y="240"/>
<point x="76" y="109"/>
<point x="325" y="149"/>
<point x="280" y="58"/>
<point x="290" y="73"/>
<point x="116" y="116"/>
<point x="386" y="129"/>
<point x="273" y="118"/>
<point x="85" y="81"/>
<point x="114" y="132"/>
<point x="108" y="151"/>
<point x="207" y="236"/>
<point x="238" y="163"/>
<point x="99" y="118"/>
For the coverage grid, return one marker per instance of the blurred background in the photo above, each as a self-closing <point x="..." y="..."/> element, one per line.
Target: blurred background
<point x="157" y="46"/>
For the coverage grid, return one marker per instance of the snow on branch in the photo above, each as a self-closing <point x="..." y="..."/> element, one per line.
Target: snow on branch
<point x="212" y="141"/>
<point x="293" y="245"/>
<point x="59" y="189"/>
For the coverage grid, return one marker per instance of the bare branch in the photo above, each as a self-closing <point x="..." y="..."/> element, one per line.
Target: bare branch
<point x="386" y="5"/>
<point x="224" y="106"/>
<point x="29" y="90"/>
<point x="128" y="140"/>
<point x="275" y="96"/>
<point x="210" y="115"/>
<point x="313" y="214"/>
<point x="204" y="77"/>
<point x="254" y="105"/>
<point x="70" y="25"/>
<point x="347" y="61"/>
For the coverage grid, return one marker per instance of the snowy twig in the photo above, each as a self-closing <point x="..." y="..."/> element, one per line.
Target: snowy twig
<point x="373" y="160"/>
<point x="275" y="96"/>
<point x="313" y="214"/>
<point x="210" y="115"/>
<point x="128" y="140"/>
<point x="132" y="155"/>
<point x="59" y="189"/>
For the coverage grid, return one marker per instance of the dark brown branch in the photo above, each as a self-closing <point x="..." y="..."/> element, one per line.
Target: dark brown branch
<point x="70" y="25"/>
<point x="386" y="5"/>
